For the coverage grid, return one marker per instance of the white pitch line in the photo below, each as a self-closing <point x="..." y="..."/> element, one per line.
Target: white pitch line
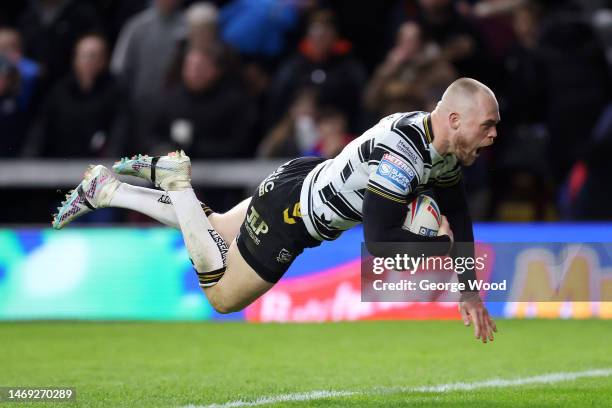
<point x="301" y="396"/>
<point x="440" y="388"/>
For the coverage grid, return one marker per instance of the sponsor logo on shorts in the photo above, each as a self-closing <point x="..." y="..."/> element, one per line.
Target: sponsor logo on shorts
<point x="255" y="225"/>
<point x="265" y="187"/>
<point x="221" y="244"/>
<point x="289" y="218"/>
<point x="407" y="150"/>
<point x="268" y="183"/>
<point x="396" y="171"/>
<point x="284" y="256"/>
<point x="164" y="199"/>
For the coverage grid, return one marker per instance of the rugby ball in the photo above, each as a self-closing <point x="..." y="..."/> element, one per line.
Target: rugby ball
<point x="423" y="216"/>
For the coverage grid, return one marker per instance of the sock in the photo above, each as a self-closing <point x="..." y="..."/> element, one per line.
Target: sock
<point x="154" y="203"/>
<point x="205" y="246"/>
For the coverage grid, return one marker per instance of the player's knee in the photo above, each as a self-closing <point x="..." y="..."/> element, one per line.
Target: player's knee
<point x="223" y="305"/>
<point x="225" y="308"/>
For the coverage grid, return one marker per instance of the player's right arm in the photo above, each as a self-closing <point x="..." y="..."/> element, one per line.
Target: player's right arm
<point x="453" y="201"/>
<point x="392" y="181"/>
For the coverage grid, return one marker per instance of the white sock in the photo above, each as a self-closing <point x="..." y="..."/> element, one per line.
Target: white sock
<point x="205" y="246"/>
<point x="154" y="203"/>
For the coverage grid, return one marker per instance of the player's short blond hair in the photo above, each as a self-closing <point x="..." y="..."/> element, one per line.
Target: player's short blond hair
<point x="462" y="92"/>
<point x="468" y="87"/>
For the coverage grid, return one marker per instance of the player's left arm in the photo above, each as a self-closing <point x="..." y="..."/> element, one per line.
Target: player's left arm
<point x="392" y="182"/>
<point x="452" y="200"/>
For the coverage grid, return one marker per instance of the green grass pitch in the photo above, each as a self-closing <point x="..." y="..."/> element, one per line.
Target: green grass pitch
<point x="178" y="364"/>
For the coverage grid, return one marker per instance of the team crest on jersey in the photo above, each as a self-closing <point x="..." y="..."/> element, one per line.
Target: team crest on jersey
<point x="396" y="171"/>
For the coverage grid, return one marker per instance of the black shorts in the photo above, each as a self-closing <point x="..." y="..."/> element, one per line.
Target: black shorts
<point x="273" y="234"/>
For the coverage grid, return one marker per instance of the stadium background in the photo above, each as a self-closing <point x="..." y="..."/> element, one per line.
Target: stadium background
<point x="110" y="305"/>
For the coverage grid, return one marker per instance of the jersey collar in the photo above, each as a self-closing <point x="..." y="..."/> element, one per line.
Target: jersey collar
<point x="428" y="129"/>
<point x="429" y="135"/>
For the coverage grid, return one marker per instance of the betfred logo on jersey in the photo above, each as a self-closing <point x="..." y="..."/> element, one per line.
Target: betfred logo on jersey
<point x="396" y="171"/>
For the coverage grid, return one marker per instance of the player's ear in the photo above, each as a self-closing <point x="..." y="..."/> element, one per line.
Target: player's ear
<point x="454" y="120"/>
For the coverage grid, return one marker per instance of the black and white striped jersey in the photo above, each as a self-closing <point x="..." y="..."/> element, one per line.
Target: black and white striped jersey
<point x="394" y="159"/>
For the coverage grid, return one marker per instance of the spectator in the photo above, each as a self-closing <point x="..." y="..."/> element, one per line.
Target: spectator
<point x="332" y="130"/>
<point x="492" y="19"/>
<point x="307" y="131"/>
<point x="29" y="71"/>
<point x="259" y="31"/>
<point x="202" y="32"/>
<point x="259" y="27"/>
<point x="576" y="81"/>
<point x="145" y="49"/>
<point x="413" y="76"/>
<point x="521" y="156"/>
<point x="367" y="25"/>
<point x="12" y="115"/>
<point x="207" y="113"/>
<point x="296" y="132"/>
<point x="460" y="41"/>
<point x="202" y="25"/>
<point x="325" y="63"/>
<point x="523" y="92"/>
<point x="84" y="115"/>
<point x="50" y="29"/>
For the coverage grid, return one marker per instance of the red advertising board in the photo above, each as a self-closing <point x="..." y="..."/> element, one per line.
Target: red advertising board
<point x="334" y="295"/>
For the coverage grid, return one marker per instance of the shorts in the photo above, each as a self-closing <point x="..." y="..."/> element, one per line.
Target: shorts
<point x="273" y="233"/>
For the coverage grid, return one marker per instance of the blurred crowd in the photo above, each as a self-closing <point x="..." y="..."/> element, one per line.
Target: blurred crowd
<point x="285" y="78"/>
